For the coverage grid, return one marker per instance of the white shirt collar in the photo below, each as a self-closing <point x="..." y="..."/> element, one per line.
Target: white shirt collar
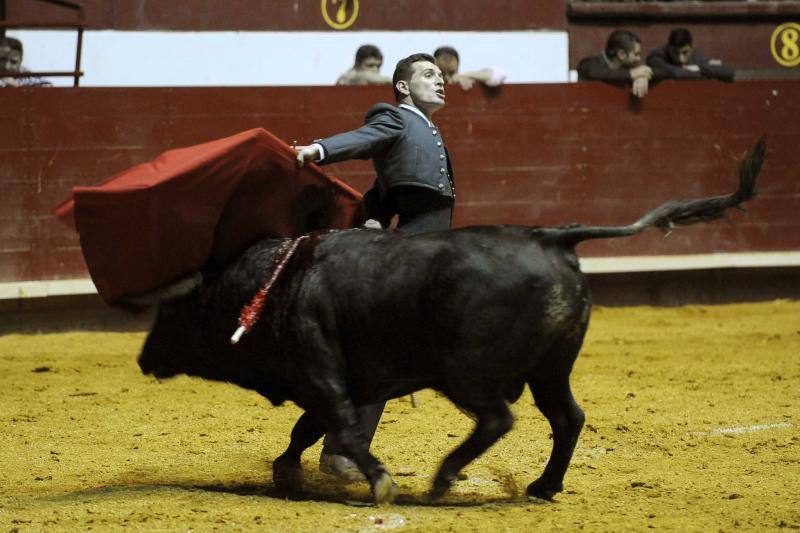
<point x="418" y="112"/>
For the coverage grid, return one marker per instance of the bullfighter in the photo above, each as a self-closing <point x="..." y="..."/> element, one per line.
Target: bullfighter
<point x="414" y="181"/>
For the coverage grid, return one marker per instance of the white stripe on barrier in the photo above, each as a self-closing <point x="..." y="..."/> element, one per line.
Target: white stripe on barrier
<point x="658" y="263"/>
<point x="43" y="289"/>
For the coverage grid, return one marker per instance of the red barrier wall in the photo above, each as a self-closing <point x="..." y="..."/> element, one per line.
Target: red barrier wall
<point x="528" y="154"/>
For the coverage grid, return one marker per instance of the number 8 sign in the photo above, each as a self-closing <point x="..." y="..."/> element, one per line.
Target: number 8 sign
<point x="784" y="44"/>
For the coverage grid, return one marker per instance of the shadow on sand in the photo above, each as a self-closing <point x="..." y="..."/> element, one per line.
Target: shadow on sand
<point x="319" y="488"/>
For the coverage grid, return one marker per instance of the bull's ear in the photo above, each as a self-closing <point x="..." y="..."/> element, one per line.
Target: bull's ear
<point x="140" y="302"/>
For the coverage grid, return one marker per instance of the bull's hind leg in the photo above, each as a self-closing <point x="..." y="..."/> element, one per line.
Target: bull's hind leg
<point x="554" y="398"/>
<point x="286" y="471"/>
<point x="493" y="421"/>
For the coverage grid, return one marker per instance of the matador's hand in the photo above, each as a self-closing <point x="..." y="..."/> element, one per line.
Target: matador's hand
<point x="306" y="154"/>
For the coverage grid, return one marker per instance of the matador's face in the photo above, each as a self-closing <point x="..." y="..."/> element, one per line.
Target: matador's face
<point x="426" y="86"/>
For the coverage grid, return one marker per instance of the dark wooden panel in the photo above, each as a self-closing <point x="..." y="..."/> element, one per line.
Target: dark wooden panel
<point x="283" y="15"/>
<point x="658" y="11"/>
<point x="707" y="287"/>
<point x="527" y="154"/>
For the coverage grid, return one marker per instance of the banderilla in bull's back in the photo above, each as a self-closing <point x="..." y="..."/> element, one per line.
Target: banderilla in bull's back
<point x="360" y="316"/>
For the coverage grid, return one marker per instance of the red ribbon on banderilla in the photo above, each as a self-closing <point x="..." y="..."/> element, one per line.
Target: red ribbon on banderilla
<point x="252" y="312"/>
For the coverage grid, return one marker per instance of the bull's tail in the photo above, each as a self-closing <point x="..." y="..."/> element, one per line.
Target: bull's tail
<point x="676" y="212"/>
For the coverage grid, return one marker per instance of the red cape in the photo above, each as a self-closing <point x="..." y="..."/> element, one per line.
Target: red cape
<point x="158" y="221"/>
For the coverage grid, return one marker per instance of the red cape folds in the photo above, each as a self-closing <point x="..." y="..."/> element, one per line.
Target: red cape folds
<point x="158" y="221"/>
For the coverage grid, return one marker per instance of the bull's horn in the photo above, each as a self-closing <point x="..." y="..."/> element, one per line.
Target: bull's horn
<point x="174" y="290"/>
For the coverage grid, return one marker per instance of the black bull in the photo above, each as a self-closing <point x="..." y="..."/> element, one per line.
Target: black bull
<point x="361" y="316"/>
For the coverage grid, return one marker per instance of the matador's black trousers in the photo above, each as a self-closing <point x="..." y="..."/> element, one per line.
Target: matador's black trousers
<point x="419" y="210"/>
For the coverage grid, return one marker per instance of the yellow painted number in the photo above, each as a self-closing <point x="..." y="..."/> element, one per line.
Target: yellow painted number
<point x="341" y="20"/>
<point x="784" y="44"/>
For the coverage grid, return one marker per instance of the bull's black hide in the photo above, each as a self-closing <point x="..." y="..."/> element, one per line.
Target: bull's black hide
<point x="360" y="316"/>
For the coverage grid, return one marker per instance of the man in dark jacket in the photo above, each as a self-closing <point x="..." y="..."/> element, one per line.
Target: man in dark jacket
<point x="680" y="60"/>
<point x="620" y="63"/>
<point x="414" y="181"/>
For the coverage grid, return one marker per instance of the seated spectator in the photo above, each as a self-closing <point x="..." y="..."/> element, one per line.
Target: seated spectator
<point x="11" y="61"/>
<point x="366" y="68"/>
<point x="447" y="60"/>
<point x="679" y="59"/>
<point x="620" y="62"/>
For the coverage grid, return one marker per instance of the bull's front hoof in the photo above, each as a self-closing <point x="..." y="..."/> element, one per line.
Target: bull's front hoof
<point x="384" y="489"/>
<point x="439" y="489"/>
<point x="287" y="474"/>
<point x="544" y="490"/>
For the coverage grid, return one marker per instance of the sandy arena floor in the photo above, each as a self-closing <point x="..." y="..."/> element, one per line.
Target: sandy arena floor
<point x="692" y="424"/>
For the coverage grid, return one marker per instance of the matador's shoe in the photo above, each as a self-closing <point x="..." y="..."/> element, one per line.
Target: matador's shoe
<point x="340" y="466"/>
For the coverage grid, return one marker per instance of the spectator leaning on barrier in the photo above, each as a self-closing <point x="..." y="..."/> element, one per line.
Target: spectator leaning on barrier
<point x="366" y="69"/>
<point x="11" y="61"/>
<point x="6" y="63"/>
<point x="448" y="61"/>
<point x="620" y="62"/>
<point x="680" y="60"/>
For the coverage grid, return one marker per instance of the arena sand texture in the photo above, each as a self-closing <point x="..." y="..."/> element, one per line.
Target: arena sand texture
<point x="692" y="424"/>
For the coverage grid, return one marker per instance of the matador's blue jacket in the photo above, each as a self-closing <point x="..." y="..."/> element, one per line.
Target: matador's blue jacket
<point x="404" y="148"/>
